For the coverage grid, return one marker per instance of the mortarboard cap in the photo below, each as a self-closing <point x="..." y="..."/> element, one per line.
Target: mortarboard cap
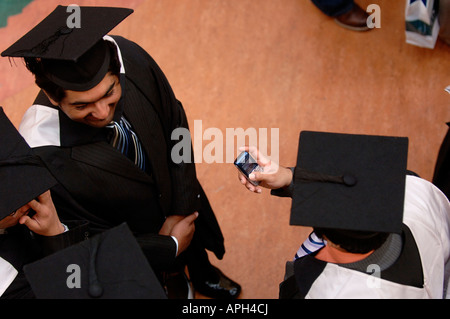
<point x="74" y="57"/>
<point x="23" y="177"/>
<point x="110" y="265"/>
<point x="350" y="182"/>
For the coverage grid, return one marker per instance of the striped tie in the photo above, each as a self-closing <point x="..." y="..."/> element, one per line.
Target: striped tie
<point x="310" y="245"/>
<point x="127" y="142"/>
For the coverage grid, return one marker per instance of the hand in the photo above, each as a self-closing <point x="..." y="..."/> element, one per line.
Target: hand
<point x="182" y="228"/>
<point x="273" y="176"/>
<point x="46" y="221"/>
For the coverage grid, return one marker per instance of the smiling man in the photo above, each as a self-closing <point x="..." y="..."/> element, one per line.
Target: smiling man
<point x="92" y="107"/>
<point x="102" y="124"/>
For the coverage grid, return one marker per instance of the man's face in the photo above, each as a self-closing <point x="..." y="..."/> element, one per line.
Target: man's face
<point x="96" y="106"/>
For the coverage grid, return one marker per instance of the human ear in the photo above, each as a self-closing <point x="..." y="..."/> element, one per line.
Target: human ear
<point x="50" y="99"/>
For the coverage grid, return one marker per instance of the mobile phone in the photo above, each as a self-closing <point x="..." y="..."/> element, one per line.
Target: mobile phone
<point x="246" y="164"/>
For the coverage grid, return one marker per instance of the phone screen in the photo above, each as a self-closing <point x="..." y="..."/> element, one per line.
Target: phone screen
<point x="246" y="164"/>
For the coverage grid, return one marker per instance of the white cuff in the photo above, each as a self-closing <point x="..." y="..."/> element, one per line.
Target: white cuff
<point x="176" y="243"/>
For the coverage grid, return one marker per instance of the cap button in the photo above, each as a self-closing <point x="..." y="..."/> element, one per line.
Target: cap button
<point x="349" y="180"/>
<point x="95" y="290"/>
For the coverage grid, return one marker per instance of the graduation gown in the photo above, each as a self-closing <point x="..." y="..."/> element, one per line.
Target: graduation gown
<point x="105" y="185"/>
<point x="441" y="177"/>
<point x="421" y="271"/>
<point x="19" y="246"/>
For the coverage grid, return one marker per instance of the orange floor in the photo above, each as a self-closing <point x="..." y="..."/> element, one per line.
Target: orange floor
<point x="275" y="65"/>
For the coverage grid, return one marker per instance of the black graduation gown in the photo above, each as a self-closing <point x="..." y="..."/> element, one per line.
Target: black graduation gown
<point x="108" y="189"/>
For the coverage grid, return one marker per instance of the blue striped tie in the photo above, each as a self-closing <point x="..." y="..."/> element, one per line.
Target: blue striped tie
<point x="127" y="142"/>
<point x="312" y="244"/>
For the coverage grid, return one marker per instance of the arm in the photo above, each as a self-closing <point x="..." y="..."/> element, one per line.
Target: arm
<point x="275" y="177"/>
<point x="160" y="249"/>
<point x="173" y="238"/>
<point x="181" y="228"/>
<point x="48" y="229"/>
<point x="77" y="231"/>
<point x="46" y="221"/>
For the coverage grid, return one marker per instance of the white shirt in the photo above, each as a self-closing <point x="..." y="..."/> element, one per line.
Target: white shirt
<point x="7" y="275"/>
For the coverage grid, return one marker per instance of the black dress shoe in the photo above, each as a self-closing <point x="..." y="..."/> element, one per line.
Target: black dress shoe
<point x="223" y="288"/>
<point x="355" y="19"/>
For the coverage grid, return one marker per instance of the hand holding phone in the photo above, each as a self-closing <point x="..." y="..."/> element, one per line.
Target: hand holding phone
<point x="267" y="172"/>
<point x="246" y="164"/>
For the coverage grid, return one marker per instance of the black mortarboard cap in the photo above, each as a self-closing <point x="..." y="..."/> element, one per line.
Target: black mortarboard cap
<point x="23" y="177"/>
<point x="74" y="57"/>
<point x="350" y="182"/>
<point x="110" y="265"/>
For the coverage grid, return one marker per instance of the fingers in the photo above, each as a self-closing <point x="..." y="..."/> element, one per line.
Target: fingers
<point x="257" y="176"/>
<point x="35" y="205"/>
<point x="248" y="185"/>
<point x="42" y="199"/>
<point x="256" y="154"/>
<point x="29" y="222"/>
<point x="23" y="220"/>
<point x="46" y="221"/>
<point x="173" y="220"/>
<point x="186" y="220"/>
<point x="191" y="218"/>
<point x="184" y="231"/>
<point x="169" y="223"/>
<point x="45" y="197"/>
<point x="242" y="179"/>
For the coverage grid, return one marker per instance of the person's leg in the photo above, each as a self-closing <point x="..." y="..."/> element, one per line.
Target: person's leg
<point x="333" y="8"/>
<point x="346" y="13"/>
<point x="207" y="279"/>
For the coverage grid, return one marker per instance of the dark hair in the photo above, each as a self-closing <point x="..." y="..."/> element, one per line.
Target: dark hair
<point x="357" y="242"/>
<point x="56" y="92"/>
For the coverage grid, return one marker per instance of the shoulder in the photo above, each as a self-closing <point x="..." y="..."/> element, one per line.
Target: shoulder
<point x="422" y="196"/>
<point x="427" y="214"/>
<point x="40" y="126"/>
<point x="130" y="50"/>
